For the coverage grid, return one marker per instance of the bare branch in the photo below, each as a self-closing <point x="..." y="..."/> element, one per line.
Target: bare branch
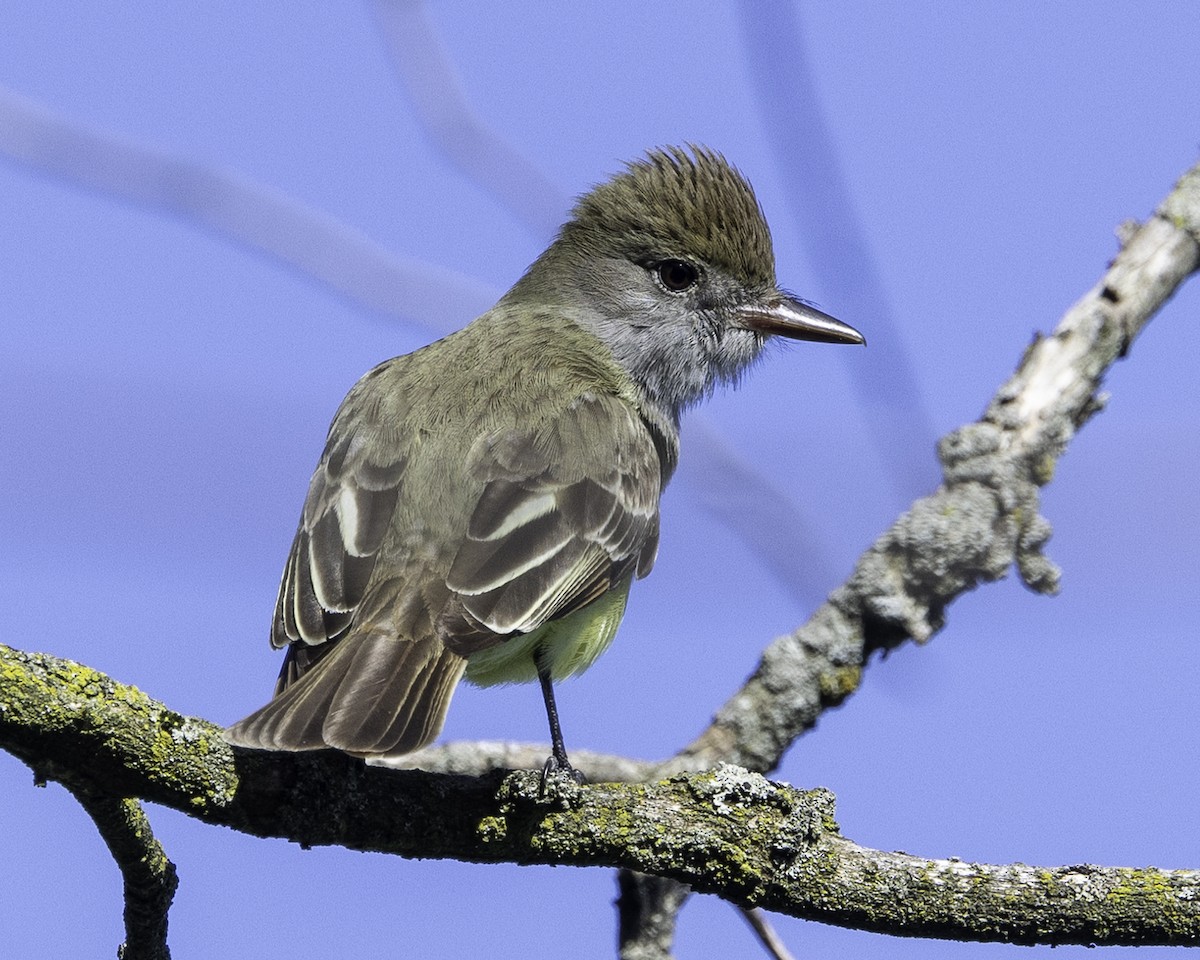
<point x="765" y="518"/>
<point x="477" y="758"/>
<point x="983" y="520"/>
<point x="766" y="934"/>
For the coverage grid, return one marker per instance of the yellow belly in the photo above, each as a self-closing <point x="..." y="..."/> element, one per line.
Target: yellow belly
<point x="567" y="646"/>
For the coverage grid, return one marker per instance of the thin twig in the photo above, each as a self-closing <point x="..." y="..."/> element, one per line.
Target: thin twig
<point x="835" y="240"/>
<point x="766" y="934"/>
<point x="433" y="86"/>
<point x="255" y="215"/>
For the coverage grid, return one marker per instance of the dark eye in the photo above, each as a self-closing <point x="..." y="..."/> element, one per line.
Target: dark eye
<point x="676" y="275"/>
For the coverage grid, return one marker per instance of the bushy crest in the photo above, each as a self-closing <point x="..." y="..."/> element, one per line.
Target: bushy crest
<point x="677" y="200"/>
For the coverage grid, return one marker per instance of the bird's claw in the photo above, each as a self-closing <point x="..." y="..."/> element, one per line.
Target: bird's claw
<point x="559" y="767"/>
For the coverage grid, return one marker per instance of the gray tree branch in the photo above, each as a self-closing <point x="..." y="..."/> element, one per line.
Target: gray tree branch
<point x="428" y="76"/>
<point x="982" y="521"/>
<point x="647" y="910"/>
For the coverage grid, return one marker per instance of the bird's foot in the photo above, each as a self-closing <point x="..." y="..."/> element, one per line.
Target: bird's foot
<point x="559" y="766"/>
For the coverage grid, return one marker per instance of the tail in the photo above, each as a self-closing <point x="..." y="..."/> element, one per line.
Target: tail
<point x="370" y="694"/>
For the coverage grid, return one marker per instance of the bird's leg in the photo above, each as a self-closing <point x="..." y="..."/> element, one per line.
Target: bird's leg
<point x="557" y="762"/>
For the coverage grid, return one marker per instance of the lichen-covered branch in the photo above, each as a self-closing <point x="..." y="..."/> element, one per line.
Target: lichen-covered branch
<point x="727" y="832"/>
<point x="149" y="878"/>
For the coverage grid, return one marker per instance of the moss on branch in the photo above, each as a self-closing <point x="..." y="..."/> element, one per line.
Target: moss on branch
<point x="726" y="831"/>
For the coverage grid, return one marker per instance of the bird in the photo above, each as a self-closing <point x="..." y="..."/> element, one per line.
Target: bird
<point x="483" y="504"/>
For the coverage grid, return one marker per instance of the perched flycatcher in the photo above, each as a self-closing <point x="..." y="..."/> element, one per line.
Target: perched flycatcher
<point x="483" y="504"/>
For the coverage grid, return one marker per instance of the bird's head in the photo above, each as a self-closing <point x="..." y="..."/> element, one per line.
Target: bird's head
<point x="670" y="264"/>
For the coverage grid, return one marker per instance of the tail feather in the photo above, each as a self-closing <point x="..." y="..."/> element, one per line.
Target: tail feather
<point x="371" y="694"/>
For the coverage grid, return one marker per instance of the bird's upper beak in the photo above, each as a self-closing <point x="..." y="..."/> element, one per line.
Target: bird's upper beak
<point x="787" y="317"/>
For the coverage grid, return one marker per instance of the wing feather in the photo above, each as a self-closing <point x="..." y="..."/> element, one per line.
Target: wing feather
<point x="565" y="512"/>
<point x="351" y="500"/>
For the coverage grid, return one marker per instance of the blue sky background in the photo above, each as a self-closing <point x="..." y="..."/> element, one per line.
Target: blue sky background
<point x="164" y="394"/>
